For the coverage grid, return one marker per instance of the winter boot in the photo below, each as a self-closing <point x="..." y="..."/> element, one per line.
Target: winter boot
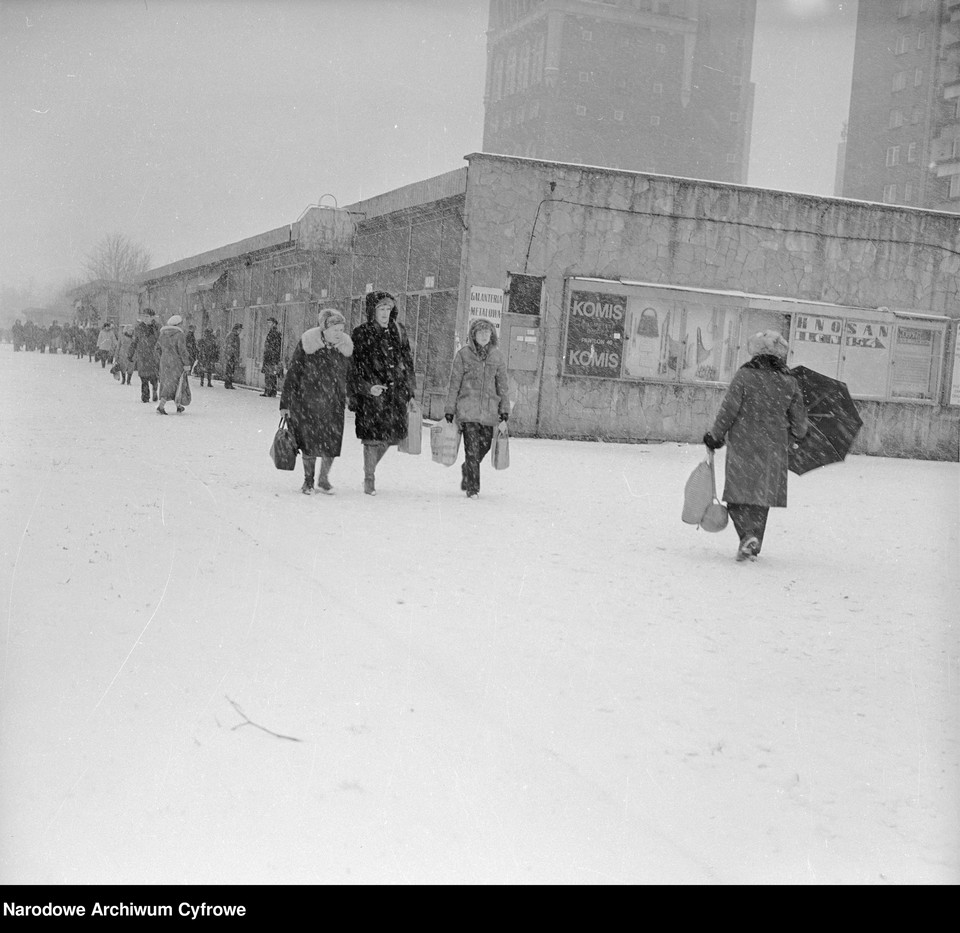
<point x="323" y="480"/>
<point x="748" y="548"/>
<point x="309" y="464"/>
<point x="370" y="459"/>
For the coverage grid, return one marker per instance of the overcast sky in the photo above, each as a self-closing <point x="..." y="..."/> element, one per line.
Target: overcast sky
<point x="189" y="124"/>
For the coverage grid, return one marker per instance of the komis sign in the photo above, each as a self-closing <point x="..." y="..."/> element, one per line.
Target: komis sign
<point x="595" y="334"/>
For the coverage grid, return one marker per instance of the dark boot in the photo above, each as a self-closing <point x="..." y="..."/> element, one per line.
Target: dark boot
<point x="309" y="465"/>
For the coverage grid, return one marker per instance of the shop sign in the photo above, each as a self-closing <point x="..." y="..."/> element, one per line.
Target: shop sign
<point x="595" y="334"/>
<point x="486" y="303"/>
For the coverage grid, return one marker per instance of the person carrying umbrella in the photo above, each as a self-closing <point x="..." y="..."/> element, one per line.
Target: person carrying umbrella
<point x="761" y="416"/>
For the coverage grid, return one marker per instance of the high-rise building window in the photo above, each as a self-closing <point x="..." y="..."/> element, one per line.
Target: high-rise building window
<point x="584" y="77"/>
<point x="916" y="115"/>
<point x="908" y="192"/>
<point x="954" y="189"/>
<point x="893" y="156"/>
<point x="896" y="119"/>
<point x="903" y="8"/>
<point x="731" y="158"/>
<point x="498" y="79"/>
<point x="586" y="35"/>
<point x="581" y="110"/>
<point x="901" y="46"/>
<point x="921" y="40"/>
<point x="510" y="77"/>
<point x="618" y="116"/>
<point x="889" y="194"/>
<point x="523" y="80"/>
<point x="917" y="77"/>
<point x="661" y="49"/>
<point x="735" y="117"/>
<point x="654" y="121"/>
<point x="537" y="64"/>
<point x="899" y="81"/>
<point x="912" y="152"/>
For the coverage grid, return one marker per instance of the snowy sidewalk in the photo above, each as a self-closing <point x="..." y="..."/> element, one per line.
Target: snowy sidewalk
<point x="556" y="683"/>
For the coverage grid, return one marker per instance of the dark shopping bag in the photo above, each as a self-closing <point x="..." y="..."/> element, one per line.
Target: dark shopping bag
<point x="501" y="447"/>
<point x="283" y="450"/>
<point x="412" y="443"/>
<point x="445" y="442"/>
<point x="700" y="504"/>
<point x="182" y="396"/>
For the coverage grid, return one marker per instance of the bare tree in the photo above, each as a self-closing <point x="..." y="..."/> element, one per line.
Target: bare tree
<point x="117" y="258"/>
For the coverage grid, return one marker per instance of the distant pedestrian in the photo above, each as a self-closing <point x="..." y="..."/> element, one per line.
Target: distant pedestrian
<point x="209" y="356"/>
<point x="315" y="394"/>
<point x="478" y="395"/>
<point x="55" y="336"/>
<point x="761" y="415"/>
<point x="90" y="338"/>
<point x="192" y="350"/>
<point x="272" y="359"/>
<point x="382" y="382"/>
<point x="124" y="364"/>
<point x="174" y="361"/>
<point x="143" y="354"/>
<point x="106" y="344"/>
<point x="17" y="330"/>
<point x="232" y="352"/>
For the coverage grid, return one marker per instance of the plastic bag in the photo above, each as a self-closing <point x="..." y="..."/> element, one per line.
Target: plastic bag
<point x="500" y="454"/>
<point x="445" y="442"/>
<point x="700" y="504"/>
<point x="412" y="443"/>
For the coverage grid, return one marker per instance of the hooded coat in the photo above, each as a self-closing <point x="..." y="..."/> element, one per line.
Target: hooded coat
<point x="381" y="356"/>
<point x="143" y="350"/>
<point x="478" y="390"/>
<point x="192" y="350"/>
<point x="172" y="349"/>
<point x="761" y="414"/>
<point x="315" y="391"/>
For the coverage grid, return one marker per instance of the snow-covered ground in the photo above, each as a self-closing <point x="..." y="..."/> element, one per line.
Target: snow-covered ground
<point x="209" y="678"/>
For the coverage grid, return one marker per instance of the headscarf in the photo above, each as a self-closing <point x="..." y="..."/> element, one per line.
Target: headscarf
<point x="768" y="343"/>
<point x="174" y="321"/>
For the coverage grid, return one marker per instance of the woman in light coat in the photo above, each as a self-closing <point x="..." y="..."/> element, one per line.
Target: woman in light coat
<point x="106" y="344"/>
<point x="478" y="396"/>
<point x="174" y="361"/>
<point x="761" y="415"/>
<point x="315" y="395"/>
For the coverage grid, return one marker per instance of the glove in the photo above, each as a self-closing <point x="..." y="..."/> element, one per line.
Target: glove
<point x="712" y="442"/>
<point x="449" y="418"/>
<point x="504" y="415"/>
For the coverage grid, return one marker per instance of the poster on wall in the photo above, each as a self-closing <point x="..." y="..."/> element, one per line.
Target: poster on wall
<point x="955" y="381"/>
<point x="866" y="357"/>
<point x="486" y="303"/>
<point x="595" y="325"/>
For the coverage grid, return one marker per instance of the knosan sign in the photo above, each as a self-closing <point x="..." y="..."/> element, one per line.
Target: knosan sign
<point x="819" y="329"/>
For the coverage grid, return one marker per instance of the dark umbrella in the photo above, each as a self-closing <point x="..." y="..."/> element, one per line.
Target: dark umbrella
<point x="833" y="421"/>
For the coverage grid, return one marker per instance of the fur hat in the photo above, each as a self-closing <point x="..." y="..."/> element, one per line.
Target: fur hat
<point x="272" y="320"/>
<point x="174" y="321"/>
<point x="768" y="343"/>
<point x="327" y="317"/>
<point x="373" y="299"/>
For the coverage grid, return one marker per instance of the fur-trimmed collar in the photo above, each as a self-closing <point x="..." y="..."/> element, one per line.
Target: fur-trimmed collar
<point x="313" y="341"/>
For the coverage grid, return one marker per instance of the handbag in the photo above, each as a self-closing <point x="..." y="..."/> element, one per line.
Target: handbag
<point x="501" y="447"/>
<point x="445" y="442"/>
<point x="700" y="504"/>
<point x="283" y="450"/>
<point x="182" y="396"/>
<point x="412" y="443"/>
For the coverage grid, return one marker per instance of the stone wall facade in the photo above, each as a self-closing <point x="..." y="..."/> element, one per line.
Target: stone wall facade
<point x="561" y="221"/>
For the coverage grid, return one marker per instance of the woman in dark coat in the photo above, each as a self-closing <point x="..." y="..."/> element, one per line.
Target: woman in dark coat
<point x="315" y="394"/>
<point x="761" y="415"/>
<point x="143" y="353"/>
<point x="478" y="394"/>
<point x="382" y="382"/>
